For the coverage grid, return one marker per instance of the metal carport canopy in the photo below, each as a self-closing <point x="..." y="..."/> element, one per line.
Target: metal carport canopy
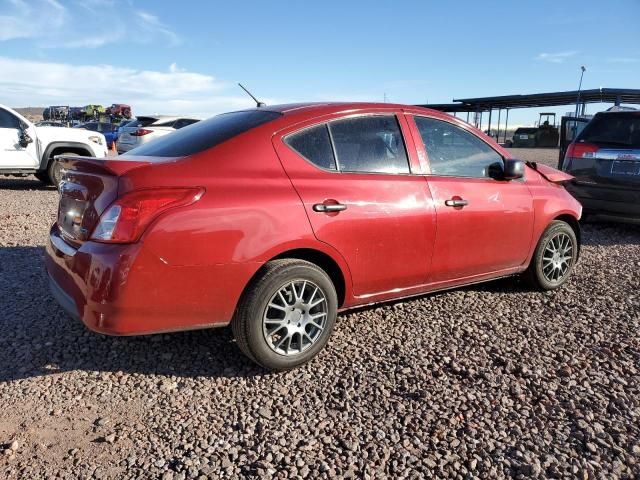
<point x="484" y="104"/>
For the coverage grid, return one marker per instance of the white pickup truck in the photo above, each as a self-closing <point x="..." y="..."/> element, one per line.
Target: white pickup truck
<point x="29" y="149"/>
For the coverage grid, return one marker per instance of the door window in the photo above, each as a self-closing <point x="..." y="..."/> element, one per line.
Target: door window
<point x="453" y="151"/>
<point x="8" y="120"/>
<point x="371" y="144"/>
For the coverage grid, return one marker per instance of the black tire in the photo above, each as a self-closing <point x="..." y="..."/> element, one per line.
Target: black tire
<point x="247" y="324"/>
<point x="53" y="170"/>
<point x="43" y="177"/>
<point x="546" y="271"/>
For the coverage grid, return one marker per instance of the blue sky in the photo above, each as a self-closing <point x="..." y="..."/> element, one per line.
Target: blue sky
<point x="186" y="57"/>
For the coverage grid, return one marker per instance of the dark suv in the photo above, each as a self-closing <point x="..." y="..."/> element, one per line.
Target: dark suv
<point x="605" y="161"/>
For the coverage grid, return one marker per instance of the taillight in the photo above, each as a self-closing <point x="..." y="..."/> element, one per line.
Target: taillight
<point x="126" y="219"/>
<point x="581" y="150"/>
<point x="140" y="132"/>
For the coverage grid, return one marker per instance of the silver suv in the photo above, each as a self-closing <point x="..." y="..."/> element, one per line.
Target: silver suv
<point x="144" y="129"/>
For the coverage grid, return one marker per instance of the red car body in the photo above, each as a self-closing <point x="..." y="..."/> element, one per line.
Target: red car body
<point x="255" y="202"/>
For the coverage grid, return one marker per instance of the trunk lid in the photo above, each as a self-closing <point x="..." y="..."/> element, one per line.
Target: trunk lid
<point x="88" y="187"/>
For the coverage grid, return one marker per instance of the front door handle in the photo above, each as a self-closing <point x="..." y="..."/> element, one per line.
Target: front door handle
<point x="456" y="202"/>
<point x="329" y="207"/>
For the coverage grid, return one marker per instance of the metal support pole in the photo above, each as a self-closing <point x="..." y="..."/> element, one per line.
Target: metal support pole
<point x="579" y="88"/>
<point x="467" y="117"/>
<point x="506" y="126"/>
<point x="489" y="127"/>
<point x="498" y="134"/>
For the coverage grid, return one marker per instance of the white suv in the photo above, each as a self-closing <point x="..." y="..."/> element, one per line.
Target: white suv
<point x="144" y="129"/>
<point x="29" y="149"/>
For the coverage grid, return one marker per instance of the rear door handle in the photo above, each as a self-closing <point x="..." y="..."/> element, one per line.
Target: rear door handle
<point x="458" y="202"/>
<point x="329" y="207"/>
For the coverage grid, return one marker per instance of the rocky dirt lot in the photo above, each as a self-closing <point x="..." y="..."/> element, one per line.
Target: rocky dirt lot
<point x="488" y="381"/>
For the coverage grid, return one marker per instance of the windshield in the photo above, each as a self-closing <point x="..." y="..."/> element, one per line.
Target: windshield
<point x="621" y="129"/>
<point x="205" y="134"/>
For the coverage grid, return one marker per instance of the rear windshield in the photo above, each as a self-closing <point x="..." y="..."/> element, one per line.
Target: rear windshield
<point x="205" y="134"/>
<point x="140" y="122"/>
<point x="616" y="129"/>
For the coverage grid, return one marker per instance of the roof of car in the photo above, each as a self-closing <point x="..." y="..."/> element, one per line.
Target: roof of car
<point x="337" y="106"/>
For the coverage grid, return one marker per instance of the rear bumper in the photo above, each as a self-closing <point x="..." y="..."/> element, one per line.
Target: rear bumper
<point x="65" y="300"/>
<point x="127" y="290"/>
<point x="599" y="199"/>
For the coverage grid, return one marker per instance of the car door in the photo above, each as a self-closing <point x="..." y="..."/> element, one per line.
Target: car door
<point x="570" y="127"/>
<point x="485" y="224"/>
<point x="354" y="178"/>
<point x="12" y="153"/>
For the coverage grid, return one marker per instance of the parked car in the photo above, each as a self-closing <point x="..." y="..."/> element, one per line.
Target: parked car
<point x="276" y="218"/>
<point x="109" y="130"/>
<point x="94" y="111"/>
<point x="56" y="113"/>
<point x="146" y="128"/>
<point x="49" y="123"/>
<point x="29" y="149"/>
<point x="119" y="110"/>
<point x="604" y="158"/>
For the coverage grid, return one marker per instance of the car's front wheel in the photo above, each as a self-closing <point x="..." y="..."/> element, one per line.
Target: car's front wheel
<point x="286" y="315"/>
<point x="554" y="257"/>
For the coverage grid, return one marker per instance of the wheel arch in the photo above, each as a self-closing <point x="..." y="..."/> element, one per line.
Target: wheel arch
<point x="575" y="226"/>
<point x="325" y="262"/>
<point x="56" y="148"/>
<point x="322" y="259"/>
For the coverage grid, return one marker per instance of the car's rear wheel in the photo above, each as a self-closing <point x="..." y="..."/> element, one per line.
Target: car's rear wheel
<point x="54" y="171"/>
<point x="554" y="257"/>
<point x="286" y="315"/>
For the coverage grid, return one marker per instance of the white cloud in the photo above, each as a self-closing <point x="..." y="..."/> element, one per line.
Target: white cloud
<point x="174" y="91"/>
<point x="623" y="60"/>
<point x="556" y="57"/>
<point x="30" y="19"/>
<point x="93" y="23"/>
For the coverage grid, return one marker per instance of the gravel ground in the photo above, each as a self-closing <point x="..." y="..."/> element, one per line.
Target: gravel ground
<point x="488" y="381"/>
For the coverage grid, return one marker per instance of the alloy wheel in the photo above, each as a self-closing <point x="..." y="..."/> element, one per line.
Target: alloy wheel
<point x="557" y="257"/>
<point x="295" y="317"/>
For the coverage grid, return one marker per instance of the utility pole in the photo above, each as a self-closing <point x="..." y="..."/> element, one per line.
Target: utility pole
<point x="579" y="88"/>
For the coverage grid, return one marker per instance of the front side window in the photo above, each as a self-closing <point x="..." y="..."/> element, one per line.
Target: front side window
<point x="371" y="144"/>
<point x="453" y="151"/>
<point x="8" y="120"/>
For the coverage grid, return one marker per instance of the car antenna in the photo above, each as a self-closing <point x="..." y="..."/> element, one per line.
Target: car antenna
<point x="258" y="102"/>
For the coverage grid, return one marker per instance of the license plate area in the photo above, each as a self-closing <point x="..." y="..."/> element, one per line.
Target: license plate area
<point x="625" y="167"/>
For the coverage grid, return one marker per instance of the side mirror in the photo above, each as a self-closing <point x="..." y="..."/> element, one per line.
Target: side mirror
<point x="24" y="139"/>
<point x="513" y="169"/>
<point x="509" y="169"/>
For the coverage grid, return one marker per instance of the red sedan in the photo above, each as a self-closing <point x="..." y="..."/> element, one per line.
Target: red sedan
<point x="276" y="218"/>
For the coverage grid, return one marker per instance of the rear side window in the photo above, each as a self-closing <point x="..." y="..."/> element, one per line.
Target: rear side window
<point x="314" y="144"/>
<point x="205" y="134"/>
<point x="453" y="151"/>
<point x="621" y="129"/>
<point x="371" y="144"/>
